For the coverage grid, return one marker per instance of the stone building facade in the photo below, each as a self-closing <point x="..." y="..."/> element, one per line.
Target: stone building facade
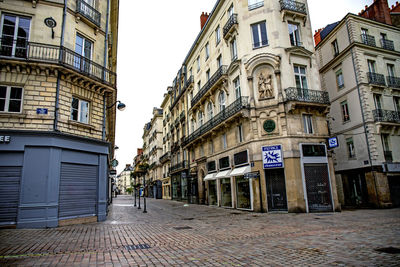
<point x="165" y="159"/>
<point x="359" y="61"/>
<point x="57" y="110"/>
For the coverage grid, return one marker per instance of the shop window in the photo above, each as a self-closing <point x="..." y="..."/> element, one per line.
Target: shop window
<point x="243" y="194"/>
<point x="11" y="99"/>
<point x="226" y="192"/>
<point x="212" y="192"/>
<point x="224" y="163"/>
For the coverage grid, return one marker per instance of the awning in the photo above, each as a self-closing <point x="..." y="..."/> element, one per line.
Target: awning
<point x="223" y="174"/>
<point x="240" y="171"/>
<point x="210" y="176"/>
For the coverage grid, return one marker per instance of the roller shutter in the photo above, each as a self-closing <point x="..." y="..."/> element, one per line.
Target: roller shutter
<point x="10" y="178"/>
<point x="78" y="191"/>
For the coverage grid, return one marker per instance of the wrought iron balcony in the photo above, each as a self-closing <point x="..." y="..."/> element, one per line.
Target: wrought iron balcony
<point x="188" y="82"/>
<point x="307" y="95"/>
<point x="44" y="53"/>
<point x="376" y="78"/>
<point x="88" y="12"/>
<point x="368" y="39"/>
<point x="175" y="147"/>
<point x="164" y="158"/>
<point x="229" y="24"/>
<point x="293" y="6"/>
<point x="211" y="82"/>
<point x="239" y="104"/>
<point x="393" y="81"/>
<point x="179" y="166"/>
<point x="381" y="115"/>
<point x="182" y="116"/>
<point x="388" y="156"/>
<point x="256" y="5"/>
<point x="387" y="44"/>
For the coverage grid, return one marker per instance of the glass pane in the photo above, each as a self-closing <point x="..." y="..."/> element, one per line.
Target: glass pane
<point x="243" y="193"/>
<point x="310" y="128"/>
<point x="256" y="39"/>
<point x="79" y="45"/>
<point x="16" y="93"/>
<point x="264" y="33"/>
<point x="226" y="194"/>
<point x="14" y="106"/>
<point x="302" y="70"/>
<point x="212" y="192"/>
<point x="74" y="115"/>
<point x="298" y="83"/>
<point x="84" y="112"/>
<point x="88" y="49"/>
<point x="75" y="103"/>
<point x="3" y="91"/>
<point x="304" y="82"/>
<point x="2" y="104"/>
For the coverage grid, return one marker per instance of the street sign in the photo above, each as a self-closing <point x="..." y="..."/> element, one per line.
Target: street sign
<point x="113" y="172"/>
<point x="333" y="142"/>
<point x="272" y="157"/>
<point x="42" y="111"/>
<point x="252" y="175"/>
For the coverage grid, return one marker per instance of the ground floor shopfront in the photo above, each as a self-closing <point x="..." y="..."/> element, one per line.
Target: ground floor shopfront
<point x="51" y="179"/>
<point x="184" y="187"/>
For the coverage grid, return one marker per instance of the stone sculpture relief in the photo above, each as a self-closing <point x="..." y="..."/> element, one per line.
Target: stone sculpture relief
<point x="265" y="88"/>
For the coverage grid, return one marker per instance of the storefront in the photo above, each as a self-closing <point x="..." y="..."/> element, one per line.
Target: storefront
<point x="244" y="189"/>
<point x="166" y="188"/>
<point x="212" y="189"/>
<point x="176" y="187"/>
<point x="225" y="184"/>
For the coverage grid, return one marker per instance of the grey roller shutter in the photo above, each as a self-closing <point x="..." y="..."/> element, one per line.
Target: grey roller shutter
<point x="10" y="178"/>
<point x="78" y="191"/>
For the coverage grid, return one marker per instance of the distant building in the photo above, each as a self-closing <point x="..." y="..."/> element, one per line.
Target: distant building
<point x="124" y="179"/>
<point x="359" y="61"/>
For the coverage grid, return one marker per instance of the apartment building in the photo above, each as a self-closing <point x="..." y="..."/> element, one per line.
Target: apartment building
<point x="245" y="122"/>
<point x="124" y="180"/>
<point x="165" y="159"/>
<point x="359" y="61"/>
<point x="57" y="110"/>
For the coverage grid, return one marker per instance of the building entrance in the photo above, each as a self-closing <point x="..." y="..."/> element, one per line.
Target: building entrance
<point x="318" y="187"/>
<point x="276" y="190"/>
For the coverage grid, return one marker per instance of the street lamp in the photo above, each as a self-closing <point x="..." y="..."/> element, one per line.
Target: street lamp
<point x="121" y="106"/>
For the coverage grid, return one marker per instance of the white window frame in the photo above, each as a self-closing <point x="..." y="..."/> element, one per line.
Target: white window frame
<point x="234" y="54"/>
<point x="258" y="26"/>
<point x="339" y="79"/>
<point x="200" y="118"/>
<point x="294" y="30"/>
<point x="308" y="124"/>
<point x="79" y="116"/>
<point x="335" y="48"/>
<point x="7" y="99"/>
<point x="222" y="101"/>
<point x="378" y="101"/>
<point x="210" y="111"/>
<point x="344" y="107"/>
<point x="217" y="35"/>
<point x="236" y="84"/>
<point x="301" y="76"/>
<point x="15" y="35"/>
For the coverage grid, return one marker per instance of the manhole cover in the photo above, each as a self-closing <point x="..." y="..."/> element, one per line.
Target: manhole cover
<point x="390" y="250"/>
<point x="137" y="247"/>
<point x="183" y="228"/>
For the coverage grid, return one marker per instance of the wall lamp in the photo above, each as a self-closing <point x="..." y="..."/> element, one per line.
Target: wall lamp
<point x="121" y="106"/>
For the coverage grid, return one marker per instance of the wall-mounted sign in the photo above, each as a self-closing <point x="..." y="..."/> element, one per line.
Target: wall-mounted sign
<point x="113" y="172"/>
<point x="114" y="163"/>
<point x="5" y="139"/>
<point x="272" y="157"/>
<point x="269" y="126"/>
<point x="333" y="142"/>
<point x="252" y="175"/>
<point x="42" y="111"/>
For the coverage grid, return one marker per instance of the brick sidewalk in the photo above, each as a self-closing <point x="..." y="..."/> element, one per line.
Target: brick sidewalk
<point x="171" y="234"/>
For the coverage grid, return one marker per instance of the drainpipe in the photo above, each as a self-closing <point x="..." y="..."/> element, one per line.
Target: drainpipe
<point x="104" y="73"/>
<point x="362" y="113"/>
<point x="57" y="100"/>
<point x="104" y="118"/>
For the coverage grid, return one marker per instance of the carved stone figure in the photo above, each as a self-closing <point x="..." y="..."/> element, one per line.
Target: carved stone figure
<point x="265" y="88"/>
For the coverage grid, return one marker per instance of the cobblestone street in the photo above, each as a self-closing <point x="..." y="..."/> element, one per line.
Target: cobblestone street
<point x="172" y="234"/>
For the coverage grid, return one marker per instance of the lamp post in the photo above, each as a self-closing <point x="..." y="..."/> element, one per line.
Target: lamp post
<point x="144" y="193"/>
<point x="121" y="106"/>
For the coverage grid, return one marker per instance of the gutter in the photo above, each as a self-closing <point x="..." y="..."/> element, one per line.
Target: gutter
<point x="105" y="66"/>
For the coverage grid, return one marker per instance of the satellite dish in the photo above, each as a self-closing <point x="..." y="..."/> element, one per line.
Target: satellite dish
<point x="51" y="23"/>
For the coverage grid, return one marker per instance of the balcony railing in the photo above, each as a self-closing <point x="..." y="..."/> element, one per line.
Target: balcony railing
<point x="306" y="95"/>
<point x="239" y="104"/>
<point x="182" y="116"/>
<point x="293" y="6"/>
<point x="164" y="158"/>
<point x="368" y="39"/>
<point x="381" y="115"/>
<point x="387" y="44"/>
<point x="376" y="78"/>
<point x="88" y="12"/>
<point x="211" y="82"/>
<point x="229" y="24"/>
<point x="188" y="82"/>
<point x="256" y="5"/>
<point x="388" y="156"/>
<point x="393" y="81"/>
<point x="179" y="166"/>
<point x="45" y="53"/>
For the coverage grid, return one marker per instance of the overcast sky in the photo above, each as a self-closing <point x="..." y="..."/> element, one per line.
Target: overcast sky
<point x="154" y="38"/>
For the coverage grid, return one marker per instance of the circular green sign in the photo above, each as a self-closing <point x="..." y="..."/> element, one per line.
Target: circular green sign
<point x="114" y="163"/>
<point x="269" y="126"/>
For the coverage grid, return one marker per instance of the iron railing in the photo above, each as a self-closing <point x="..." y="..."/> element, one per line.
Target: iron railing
<point x="38" y="52"/>
<point x="293" y="6"/>
<point x="381" y="115"/>
<point x="211" y="82"/>
<point x="239" y="104"/>
<point x="376" y="78"/>
<point x="164" y="158"/>
<point x="229" y="24"/>
<point x="306" y="95"/>
<point x="188" y="82"/>
<point x="179" y="166"/>
<point x="368" y="39"/>
<point x="387" y="44"/>
<point x="388" y="156"/>
<point x="393" y="81"/>
<point x="256" y="5"/>
<point x="88" y="12"/>
<point x="182" y="116"/>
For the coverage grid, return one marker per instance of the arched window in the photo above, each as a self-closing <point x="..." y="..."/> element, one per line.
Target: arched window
<point x="200" y="118"/>
<point x="210" y="111"/>
<point x="222" y="101"/>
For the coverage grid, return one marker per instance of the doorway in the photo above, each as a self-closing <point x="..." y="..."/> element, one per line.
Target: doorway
<point x="276" y="189"/>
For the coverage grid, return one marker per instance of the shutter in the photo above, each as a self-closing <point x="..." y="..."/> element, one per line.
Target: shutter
<point x="10" y="178"/>
<point x="78" y="191"/>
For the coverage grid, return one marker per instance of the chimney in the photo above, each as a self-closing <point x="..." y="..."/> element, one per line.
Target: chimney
<point x="317" y="37"/>
<point x="203" y="19"/>
<point x="378" y="11"/>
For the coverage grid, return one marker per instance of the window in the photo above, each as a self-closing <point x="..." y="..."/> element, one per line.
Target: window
<point x="345" y="111"/>
<point x="240" y="133"/>
<point x="396" y="101"/>
<point x="253" y="4"/>
<point x="378" y="101"/>
<point x="391" y="71"/>
<point x="301" y="77"/>
<point x="84" y="48"/>
<point x="14" y="35"/>
<point x="259" y="34"/>
<point x="207" y="51"/>
<point x="222" y="101"/>
<point x="201" y="151"/>
<point x="307" y="121"/>
<point x="224" y="143"/>
<point x="192" y="126"/>
<point x="199" y="86"/>
<point x="208" y="74"/>
<point x="371" y="66"/>
<point x="339" y="79"/>
<point x="210" y="112"/>
<point x="364" y="35"/>
<point x="294" y="34"/>
<point x="200" y="118"/>
<point x="386" y="148"/>
<point x="80" y="110"/>
<point x="230" y="11"/>
<point x="350" y="148"/>
<point x="236" y="84"/>
<point x="198" y="63"/>
<point x="10" y="99"/>
<point x="335" y="48"/>
<point x="217" y="35"/>
<point x="233" y="49"/>
<point x="219" y="61"/>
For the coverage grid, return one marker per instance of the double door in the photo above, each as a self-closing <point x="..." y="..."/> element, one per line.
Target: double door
<point x="276" y="190"/>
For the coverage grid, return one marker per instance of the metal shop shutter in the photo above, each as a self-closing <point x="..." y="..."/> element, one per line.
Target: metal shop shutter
<point x="10" y="178"/>
<point x="318" y="187"/>
<point x="78" y="191"/>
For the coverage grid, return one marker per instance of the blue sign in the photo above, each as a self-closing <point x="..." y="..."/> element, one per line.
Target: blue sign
<point x="42" y="111"/>
<point x="272" y="157"/>
<point x="333" y="142"/>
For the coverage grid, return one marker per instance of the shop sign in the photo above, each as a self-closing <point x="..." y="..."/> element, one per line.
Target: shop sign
<point x="114" y="163"/>
<point x="333" y="142"/>
<point x="272" y="157"/>
<point x="113" y="172"/>
<point x="252" y="175"/>
<point x="5" y="139"/>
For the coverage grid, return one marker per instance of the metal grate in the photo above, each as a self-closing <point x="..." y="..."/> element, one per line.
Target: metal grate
<point x="137" y="247"/>
<point x="318" y="187"/>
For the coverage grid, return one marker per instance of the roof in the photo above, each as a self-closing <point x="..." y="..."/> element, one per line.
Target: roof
<point x="325" y="32"/>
